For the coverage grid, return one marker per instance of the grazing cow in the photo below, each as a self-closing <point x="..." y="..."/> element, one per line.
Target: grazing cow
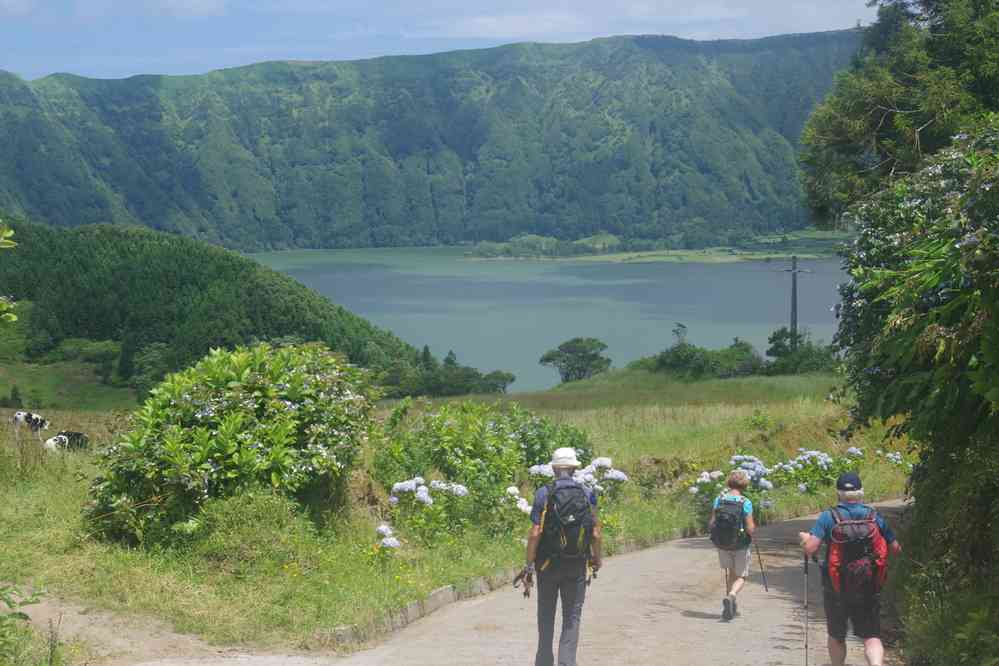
<point x="28" y="420"/>
<point x="74" y="440"/>
<point x="55" y="444"/>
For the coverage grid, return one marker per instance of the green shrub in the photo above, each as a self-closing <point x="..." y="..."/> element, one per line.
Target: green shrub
<point x="291" y="418"/>
<point x="473" y="443"/>
<point x="483" y="449"/>
<point x="689" y="361"/>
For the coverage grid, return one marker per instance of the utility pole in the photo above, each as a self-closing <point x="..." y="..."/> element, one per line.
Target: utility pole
<point x="794" y="270"/>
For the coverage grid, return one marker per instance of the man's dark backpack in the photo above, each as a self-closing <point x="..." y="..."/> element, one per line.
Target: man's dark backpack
<point x="857" y="558"/>
<point x="729" y="530"/>
<point x="567" y="524"/>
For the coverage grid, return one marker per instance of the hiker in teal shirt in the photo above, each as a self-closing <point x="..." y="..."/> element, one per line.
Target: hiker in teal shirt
<point x="731" y="532"/>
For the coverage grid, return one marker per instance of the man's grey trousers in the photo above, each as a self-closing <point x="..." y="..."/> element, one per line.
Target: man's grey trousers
<point x="568" y="581"/>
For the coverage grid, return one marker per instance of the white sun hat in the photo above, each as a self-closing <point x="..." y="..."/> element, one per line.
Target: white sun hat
<point x="565" y="457"/>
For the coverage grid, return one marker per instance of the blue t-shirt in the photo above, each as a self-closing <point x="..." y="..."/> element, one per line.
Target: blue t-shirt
<point x="747" y="504"/>
<point x="541" y="499"/>
<point x="856" y="511"/>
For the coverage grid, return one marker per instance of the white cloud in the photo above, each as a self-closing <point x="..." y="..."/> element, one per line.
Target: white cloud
<point x="16" y="7"/>
<point x="505" y="26"/>
<point x="189" y="7"/>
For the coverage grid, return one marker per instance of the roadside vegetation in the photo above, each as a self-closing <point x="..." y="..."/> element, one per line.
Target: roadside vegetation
<point x="907" y="149"/>
<point x="255" y="563"/>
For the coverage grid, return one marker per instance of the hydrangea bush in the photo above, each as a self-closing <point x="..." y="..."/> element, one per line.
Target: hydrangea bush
<point x="483" y="447"/>
<point x="291" y="419"/>
<point x="808" y="472"/>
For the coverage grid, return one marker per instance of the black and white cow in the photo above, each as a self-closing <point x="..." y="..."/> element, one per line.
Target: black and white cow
<point x="29" y="420"/>
<point x="71" y="440"/>
<point x="56" y="444"/>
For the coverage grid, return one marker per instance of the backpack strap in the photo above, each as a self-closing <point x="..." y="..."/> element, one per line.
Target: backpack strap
<point x="836" y="515"/>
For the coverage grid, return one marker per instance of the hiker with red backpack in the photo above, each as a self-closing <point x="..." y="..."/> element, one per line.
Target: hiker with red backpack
<point x="855" y="569"/>
<point x="564" y="542"/>
<point x="731" y="527"/>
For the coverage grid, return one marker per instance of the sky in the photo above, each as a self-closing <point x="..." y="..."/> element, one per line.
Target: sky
<point x="119" y="38"/>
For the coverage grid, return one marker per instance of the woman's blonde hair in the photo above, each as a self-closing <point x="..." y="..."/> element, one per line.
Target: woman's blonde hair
<point x="738" y="480"/>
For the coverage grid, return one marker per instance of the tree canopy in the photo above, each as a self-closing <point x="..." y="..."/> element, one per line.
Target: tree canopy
<point x="926" y="69"/>
<point x="576" y="359"/>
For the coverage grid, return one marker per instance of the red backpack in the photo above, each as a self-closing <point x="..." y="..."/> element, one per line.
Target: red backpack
<point x="857" y="556"/>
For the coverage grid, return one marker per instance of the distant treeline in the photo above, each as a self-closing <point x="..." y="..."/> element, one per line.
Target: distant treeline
<point x="696" y="235"/>
<point x="139" y="303"/>
<point x="790" y="354"/>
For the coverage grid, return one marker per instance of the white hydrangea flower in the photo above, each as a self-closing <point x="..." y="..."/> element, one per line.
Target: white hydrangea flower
<point x="405" y="487"/>
<point x="693" y="490"/>
<point x="542" y="470"/>
<point x="601" y="463"/>
<point x="524" y="505"/>
<point x="459" y="490"/>
<point x="391" y="542"/>
<point x="423" y="496"/>
<point x="513" y="491"/>
<point x="384" y="531"/>
<point x="615" y="475"/>
<point x="393" y="500"/>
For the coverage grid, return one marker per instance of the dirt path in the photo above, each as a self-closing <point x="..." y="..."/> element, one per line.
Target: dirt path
<point x="658" y="606"/>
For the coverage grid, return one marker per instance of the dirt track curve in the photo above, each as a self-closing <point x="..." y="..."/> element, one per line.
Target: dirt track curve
<point x="657" y="606"/>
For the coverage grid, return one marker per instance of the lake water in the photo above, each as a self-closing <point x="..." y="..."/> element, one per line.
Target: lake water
<point x="506" y="314"/>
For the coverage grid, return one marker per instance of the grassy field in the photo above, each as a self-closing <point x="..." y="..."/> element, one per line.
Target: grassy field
<point x="57" y="385"/>
<point x="267" y="577"/>
<point x="63" y="385"/>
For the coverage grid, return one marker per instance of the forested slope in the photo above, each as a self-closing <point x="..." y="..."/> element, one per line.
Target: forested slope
<point x="167" y="300"/>
<point x="644" y="137"/>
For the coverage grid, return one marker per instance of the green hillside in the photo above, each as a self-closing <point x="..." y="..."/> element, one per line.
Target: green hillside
<point x="642" y="137"/>
<point x="135" y="303"/>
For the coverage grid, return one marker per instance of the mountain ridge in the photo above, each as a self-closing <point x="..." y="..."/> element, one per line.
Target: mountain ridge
<point x="643" y="136"/>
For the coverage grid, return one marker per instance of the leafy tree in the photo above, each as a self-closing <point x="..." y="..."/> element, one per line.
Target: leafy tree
<point x="927" y="69"/>
<point x="578" y="358"/>
<point x="783" y="342"/>
<point x="497" y="381"/>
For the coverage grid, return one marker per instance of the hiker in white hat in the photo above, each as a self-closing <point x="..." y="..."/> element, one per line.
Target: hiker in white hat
<point x="564" y="541"/>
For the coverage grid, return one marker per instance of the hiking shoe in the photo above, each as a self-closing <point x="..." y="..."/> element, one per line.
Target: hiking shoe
<point x="726" y="609"/>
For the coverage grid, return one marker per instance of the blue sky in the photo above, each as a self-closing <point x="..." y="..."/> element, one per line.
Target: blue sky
<point x="116" y="38"/>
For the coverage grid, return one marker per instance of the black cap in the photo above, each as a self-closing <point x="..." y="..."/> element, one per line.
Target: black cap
<point x="848" y="481"/>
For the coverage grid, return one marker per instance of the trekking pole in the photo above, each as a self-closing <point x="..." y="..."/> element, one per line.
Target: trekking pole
<point x="763" y="570"/>
<point x="805" y="620"/>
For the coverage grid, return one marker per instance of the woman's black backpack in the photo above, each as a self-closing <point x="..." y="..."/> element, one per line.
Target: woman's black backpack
<point x="567" y="523"/>
<point x="729" y="530"/>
